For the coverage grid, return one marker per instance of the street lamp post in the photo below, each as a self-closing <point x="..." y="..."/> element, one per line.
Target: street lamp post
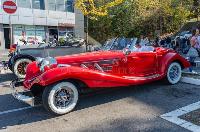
<point x="87" y="33"/>
<point x="11" y="31"/>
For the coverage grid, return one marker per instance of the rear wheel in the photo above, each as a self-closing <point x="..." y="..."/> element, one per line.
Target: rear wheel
<point x="19" y="67"/>
<point x="60" y="98"/>
<point x="174" y="73"/>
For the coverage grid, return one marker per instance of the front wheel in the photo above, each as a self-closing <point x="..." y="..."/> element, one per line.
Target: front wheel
<point x="174" y="73"/>
<point x="60" y="98"/>
<point x="19" y="67"/>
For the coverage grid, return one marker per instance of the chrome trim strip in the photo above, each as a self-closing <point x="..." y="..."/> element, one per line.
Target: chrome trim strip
<point x="95" y="61"/>
<point x="142" y="78"/>
<point x="63" y="65"/>
<point x="98" y="67"/>
<point x="84" y="66"/>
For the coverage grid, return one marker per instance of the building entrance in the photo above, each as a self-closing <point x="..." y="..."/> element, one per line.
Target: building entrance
<point x="7" y="37"/>
<point x="53" y="33"/>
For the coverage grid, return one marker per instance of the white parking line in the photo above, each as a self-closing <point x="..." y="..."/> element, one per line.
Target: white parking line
<point x="174" y="117"/>
<point x="15" y="110"/>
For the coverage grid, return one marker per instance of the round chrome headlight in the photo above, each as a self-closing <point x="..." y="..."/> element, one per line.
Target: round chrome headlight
<point x="46" y="62"/>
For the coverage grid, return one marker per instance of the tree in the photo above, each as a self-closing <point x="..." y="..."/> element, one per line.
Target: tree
<point x="134" y="17"/>
<point x="196" y="8"/>
<point x="94" y="9"/>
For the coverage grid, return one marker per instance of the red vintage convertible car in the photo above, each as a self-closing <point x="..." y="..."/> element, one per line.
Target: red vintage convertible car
<point x="59" y="81"/>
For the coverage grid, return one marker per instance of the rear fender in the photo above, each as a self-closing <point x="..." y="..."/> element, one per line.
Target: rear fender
<point x="172" y="57"/>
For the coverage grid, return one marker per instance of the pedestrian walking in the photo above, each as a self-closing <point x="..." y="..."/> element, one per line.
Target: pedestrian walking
<point x="193" y="53"/>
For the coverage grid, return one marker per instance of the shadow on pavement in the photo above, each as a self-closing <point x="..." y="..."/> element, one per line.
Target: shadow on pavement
<point x="7" y="77"/>
<point x="151" y="94"/>
<point x="134" y="125"/>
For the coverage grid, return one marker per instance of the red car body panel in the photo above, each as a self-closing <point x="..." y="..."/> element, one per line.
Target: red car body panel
<point x="118" y="69"/>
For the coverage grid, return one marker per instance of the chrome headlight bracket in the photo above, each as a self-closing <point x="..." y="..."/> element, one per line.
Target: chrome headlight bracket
<point x="43" y="62"/>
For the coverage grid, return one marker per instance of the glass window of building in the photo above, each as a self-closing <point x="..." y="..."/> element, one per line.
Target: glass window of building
<point x="51" y="5"/>
<point x="70" y="30"/>
<point x="38" y="4"/>
<point x="60" y="5"/>
<point x="1" y="1"/>
<point x="24" y="3"/>
<point x="19" y="34"/>
<point x="40" y="34"/>
<point x="30" y="34"/>
<point x="69" y="5"/>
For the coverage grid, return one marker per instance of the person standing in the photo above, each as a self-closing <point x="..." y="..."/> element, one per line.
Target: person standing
<point x="198" y="46"/>
<point x="193" y="53"/>
<point x="143" y="40"/>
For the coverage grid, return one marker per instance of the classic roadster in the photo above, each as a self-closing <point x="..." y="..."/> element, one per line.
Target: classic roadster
<point x="58" y="82"/>
<point x="26" y="54"/>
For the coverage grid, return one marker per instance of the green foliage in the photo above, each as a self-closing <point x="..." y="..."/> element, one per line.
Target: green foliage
<point x="135" y="17"/>
<point x="61" y="41"/>
<point x="94" y="9"/>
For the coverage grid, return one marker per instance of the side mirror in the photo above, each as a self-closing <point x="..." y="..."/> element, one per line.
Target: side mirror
<point x="126" y="51"/>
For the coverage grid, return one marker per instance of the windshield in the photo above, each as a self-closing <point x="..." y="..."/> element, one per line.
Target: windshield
<point x="108" y="44"/>
<point x="119" y="43"/>
<point x="128" y="43"/>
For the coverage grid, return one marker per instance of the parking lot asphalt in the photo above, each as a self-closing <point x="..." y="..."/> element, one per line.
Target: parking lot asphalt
<point x="135" y="108"/>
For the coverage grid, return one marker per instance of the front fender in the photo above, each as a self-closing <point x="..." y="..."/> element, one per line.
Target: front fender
<point x="54" y="75"/>
<point x="91" y="78"/>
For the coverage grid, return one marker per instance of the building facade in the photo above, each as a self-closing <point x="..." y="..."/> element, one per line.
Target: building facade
<point x="40" y="20"/>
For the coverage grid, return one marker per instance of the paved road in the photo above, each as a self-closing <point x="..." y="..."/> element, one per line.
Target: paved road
<point x="121" y="109"/>
<point x="4" y="55"/>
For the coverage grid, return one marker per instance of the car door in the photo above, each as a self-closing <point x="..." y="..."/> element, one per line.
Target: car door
<point x="141" y="63"/>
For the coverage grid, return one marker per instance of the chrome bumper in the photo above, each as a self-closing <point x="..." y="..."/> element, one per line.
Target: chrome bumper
<point x="25" y="96"/>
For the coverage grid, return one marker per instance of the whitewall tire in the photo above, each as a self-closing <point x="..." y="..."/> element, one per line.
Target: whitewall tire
<point x="60" y="98"/>
<point x="19" y="67"/>
<point x="174" y="73"/>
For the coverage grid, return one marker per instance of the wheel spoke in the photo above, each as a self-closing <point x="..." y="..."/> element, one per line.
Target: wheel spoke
<point x="22" y="68"/>
<point x="63" y="98"/>
<point x="174" y="73"/>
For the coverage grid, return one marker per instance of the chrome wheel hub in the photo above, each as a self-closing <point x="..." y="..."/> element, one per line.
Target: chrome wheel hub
<point x="63" y="98"/>
<point x="174" y="73"/>
<point x="22" y="68"/>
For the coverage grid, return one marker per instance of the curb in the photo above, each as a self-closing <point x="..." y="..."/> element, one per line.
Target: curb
<point x="190" y="80"/>
<point x="190" y="73"/>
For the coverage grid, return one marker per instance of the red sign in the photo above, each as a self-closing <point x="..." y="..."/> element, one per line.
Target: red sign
<point x="9" y="7"/>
